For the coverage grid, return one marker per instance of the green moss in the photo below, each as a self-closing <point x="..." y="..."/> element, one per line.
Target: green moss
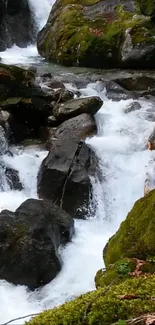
<point x="76" y="36"/>
<point x="80" y="40"/>
<point x="135" y="237"/>
<point x="147" y="7"/>
<point x="117" y="272"/>
<point x="14" y="73"/>
<point x="81" y="2"/>
<point x="104" y="308"/>
<point x="10" y="101"/>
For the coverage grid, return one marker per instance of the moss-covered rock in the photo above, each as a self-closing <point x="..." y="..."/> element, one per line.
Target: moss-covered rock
<point x="135" y="237"/>
<point x="122" y="301"/>
<point x="117" y="272"/>
<point x="123" y="269"/>
<point x="15" y="82"/>
<point x="96" y="33"/>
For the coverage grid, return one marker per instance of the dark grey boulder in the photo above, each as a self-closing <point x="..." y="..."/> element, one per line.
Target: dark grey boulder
<point x="13" y="179"/>
<point x="64" y="175"/>
<point x="77" y="128"/>
<point x="74" y="107"/>
<point x="29" y="242"/>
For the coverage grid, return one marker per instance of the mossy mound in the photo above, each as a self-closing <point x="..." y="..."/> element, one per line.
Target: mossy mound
<point x="122" y="270"/>
<point x="123" y="301"/>
<point x="94" y="33"/>
<point x="136" y="235"/>
<point x="117" y="272"/>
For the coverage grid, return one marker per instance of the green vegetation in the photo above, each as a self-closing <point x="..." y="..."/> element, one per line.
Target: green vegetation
<point x="117" y="272"/>
<point x="104" y="308"/>
<point x="135" y="237"/>
<point x="97" y="41"/>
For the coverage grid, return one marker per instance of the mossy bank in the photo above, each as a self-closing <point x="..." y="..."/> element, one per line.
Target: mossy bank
<point x="104" y="308"/>
<point x="135" y="237"/>
<point x="100" y="34"/>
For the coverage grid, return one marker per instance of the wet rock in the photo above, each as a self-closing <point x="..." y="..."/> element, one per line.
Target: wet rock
<point x="13" y="179"/>
<point x="5" y="120"/>
<point x="65" y="95"/>
<point x="54" y="84"/>
<point x="77" y="128"/>
<point x="4" y="117"/>
<point x="117" y="92"/>
<point x="134" y="106"/>
<point x="15" y="83"/>
<point x="29" y="241"/>
<point x="64" y="176"/>
<point x="72" y="108"/>
<point x="28" y="105"/>
<point x="137" y="83"/>
<point x="150" y="117"/>
<point x="52" y="121"/>
<point x="112" y="90"/>
<point x="46" y="134"/>
<point x="3" y="141"/>
<point x="69" y="165"/>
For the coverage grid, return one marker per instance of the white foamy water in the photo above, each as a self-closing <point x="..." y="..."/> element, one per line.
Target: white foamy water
<point x="23" y="56"/>
<point x="124" y="161"/>
<point x="41" y="10"/>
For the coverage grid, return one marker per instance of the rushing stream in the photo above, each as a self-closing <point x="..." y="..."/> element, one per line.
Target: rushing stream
<point x="121" y="147"/>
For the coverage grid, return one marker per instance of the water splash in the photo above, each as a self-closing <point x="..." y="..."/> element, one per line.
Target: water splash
<point x="41" y="10"/>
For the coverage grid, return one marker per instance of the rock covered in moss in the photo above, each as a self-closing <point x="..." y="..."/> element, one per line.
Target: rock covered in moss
<point x="123" y="269"/>
<point x="15" y="82"/>
<point x="129" y="299"/>
<point x="99" y="34"/>
<point x="117" y="272"/>
<point x="135" y="237"/>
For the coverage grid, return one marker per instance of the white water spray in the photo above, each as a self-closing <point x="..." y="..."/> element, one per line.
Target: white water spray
<point x="41" y="10"/>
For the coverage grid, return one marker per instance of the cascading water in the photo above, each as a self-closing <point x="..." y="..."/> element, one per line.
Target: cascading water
<point x="41" y="10"/>
<point x="124" y="161"/>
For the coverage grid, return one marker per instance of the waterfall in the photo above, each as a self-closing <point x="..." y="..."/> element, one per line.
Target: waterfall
<point x="41" y="10"/>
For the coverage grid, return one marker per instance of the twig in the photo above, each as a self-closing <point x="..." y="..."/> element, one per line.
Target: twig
<point x="147" y="319"/>
<point x="101" y="294"/>
<point x="12" y="320"/>
<point x="60" y="96"/>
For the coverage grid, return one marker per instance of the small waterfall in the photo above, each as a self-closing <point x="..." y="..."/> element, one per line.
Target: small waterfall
<point x="41" y="10"/>
<point x="124" y="161"/>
